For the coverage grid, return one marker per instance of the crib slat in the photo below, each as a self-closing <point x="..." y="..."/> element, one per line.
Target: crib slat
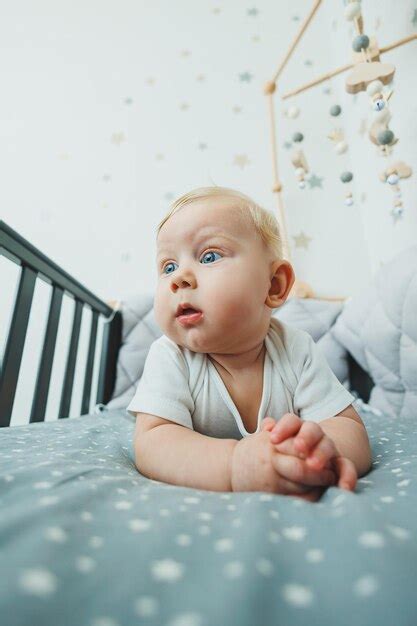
<point x="85" y="405"/>
<point x="45" y="367"/>
<point x="64" y="407"/>
<point x="111" y="342"/>
<point x="15" y="344"/>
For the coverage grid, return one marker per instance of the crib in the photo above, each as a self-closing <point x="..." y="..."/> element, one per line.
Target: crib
<point x="86" y="539"/>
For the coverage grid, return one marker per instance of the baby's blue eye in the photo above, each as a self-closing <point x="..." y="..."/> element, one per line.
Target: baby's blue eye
<point x="207" y="254"/>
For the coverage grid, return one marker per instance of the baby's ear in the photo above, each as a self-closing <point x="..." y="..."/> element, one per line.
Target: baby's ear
<point x="282" y="280"/>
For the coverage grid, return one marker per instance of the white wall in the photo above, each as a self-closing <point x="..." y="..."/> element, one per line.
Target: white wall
<point x="110" y="110"/>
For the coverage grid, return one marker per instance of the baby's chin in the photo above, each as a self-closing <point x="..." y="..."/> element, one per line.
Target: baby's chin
<point x="196" y="340"/>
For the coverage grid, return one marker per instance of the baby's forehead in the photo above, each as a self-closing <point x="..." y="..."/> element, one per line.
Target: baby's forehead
<point x="208" y="221"/>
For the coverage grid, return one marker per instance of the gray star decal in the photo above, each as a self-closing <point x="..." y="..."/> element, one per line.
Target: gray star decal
<point x="314" y="181"/>
<point x="245" y="77"/>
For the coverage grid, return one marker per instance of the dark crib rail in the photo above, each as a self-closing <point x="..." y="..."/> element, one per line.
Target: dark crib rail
<point x="35" y="264"/>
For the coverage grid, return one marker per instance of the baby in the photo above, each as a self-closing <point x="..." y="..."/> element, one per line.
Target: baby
<point x="232" y="399"/>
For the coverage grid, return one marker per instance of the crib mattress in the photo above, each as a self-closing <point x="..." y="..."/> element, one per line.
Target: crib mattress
<point x="87" y="540"/>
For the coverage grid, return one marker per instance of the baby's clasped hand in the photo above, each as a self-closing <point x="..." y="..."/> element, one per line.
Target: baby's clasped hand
<point x="291" y="436"/>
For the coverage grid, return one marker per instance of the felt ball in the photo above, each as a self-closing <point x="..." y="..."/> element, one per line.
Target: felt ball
<point x="346" y="177"/>
<point x="379" y="104"/>
<point x="341" y="147"/>
<point x="393" y="179"/>
<point x="293" y="112"/>
<point x="385" y="137"/>
<point x="349" y="201"/>
<point x="360" y="42"/>
<point x="297" y="137"/>
<point x="300" y="171"/>
<point x="335" y="110"/>
<point x="302" y="184"/>
<point x="397" y="211"/>
<point x="374" y="87"/>
<point x="352" y="10"/>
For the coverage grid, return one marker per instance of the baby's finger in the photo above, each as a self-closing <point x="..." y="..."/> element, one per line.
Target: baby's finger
<point x="323" y="452"/>
<point x="296" y="470"/>
<point x="346" y="472"/>
<point x="287" y="426"/>
<point x="268" y="424"/>
<point x="308" y="437"/>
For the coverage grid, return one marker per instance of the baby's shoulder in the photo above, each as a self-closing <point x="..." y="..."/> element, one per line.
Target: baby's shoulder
<point x="168" y="350"/>
<point x="288" y="337"/>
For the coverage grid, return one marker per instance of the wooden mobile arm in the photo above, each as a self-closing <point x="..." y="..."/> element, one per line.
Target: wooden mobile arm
<point x="343" y="68"/>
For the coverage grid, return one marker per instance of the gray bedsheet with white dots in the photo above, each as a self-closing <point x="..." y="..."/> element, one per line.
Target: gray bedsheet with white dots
<point x="85" y="540"/>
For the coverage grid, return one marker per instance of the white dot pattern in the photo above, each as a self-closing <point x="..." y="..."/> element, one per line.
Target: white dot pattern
<point x="157" y="548"/>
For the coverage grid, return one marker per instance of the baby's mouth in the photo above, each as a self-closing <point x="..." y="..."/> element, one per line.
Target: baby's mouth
<point x="189" y="311"/>
<point x="187" y="315"/>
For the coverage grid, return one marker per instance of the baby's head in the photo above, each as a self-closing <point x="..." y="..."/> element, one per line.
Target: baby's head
<point x="221" y="253"/>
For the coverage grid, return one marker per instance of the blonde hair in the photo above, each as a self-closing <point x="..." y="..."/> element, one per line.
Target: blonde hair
<point x="264" y="222"/>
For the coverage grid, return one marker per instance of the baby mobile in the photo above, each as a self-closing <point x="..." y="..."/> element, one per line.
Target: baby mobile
<point x="368" y="74"/>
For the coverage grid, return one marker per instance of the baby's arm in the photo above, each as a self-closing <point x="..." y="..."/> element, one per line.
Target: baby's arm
<point x="349" y="434"/>
<point x="177" y="455"/>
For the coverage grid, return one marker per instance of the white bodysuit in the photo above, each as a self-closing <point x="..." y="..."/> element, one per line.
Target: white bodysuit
<point x="185" y="387"/>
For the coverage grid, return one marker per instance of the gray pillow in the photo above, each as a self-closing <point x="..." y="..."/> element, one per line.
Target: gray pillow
<point x="379" y="328"/>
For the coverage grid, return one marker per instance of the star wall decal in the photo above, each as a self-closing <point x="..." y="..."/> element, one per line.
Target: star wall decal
<point x="256" y="38"/>
<point x="201" y="78"/>
<point x="128" y="100"/>
<point x="302" y="240"/>
<point x="253" y="12"/>
<point x="159" y="157"/>
<point x="184" y="106"/>
<point x="118" y="138"/>
<point x="237" y="109"/>
<point x="202" y="146"/>
<point x="150" y="81"/>
<point x="315" y="181"/>
<point x="241" y="160"/>
<point x="245" y="77"/>
<point x="185" y="53"/>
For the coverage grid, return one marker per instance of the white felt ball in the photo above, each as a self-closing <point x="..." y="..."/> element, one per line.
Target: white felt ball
<point x="301" y="184"/>
<point x="349" y="201"/>
<point x="352" y="10"/>
<point x="393" y="179"/>
<point x="293" y="112"/>
<point x="374" y="87"/>
<point x="379" y="104"/>
<point x="341" y="147"/>
<point x="300" y="171"/>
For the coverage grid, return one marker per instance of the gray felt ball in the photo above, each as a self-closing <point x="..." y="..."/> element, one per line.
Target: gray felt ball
<point x="385" y="137"/>
<point x="346" y="177"/>
<point x="335" y="110"/>
<point x="297" y="137"/>
<point x="361" y="41"/>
